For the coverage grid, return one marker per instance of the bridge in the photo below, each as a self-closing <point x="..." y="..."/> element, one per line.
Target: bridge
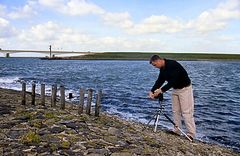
<point x="51" y="53"/>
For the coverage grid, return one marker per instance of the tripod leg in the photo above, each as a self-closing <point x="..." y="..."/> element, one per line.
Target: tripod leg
<point x="151" y="119"/>
<point x="178" y="127"/>
<point x="156" y="123"/>
<point x="184" y="133"/>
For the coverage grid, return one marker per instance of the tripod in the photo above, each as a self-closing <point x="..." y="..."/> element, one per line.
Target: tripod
<point x="160" y="111"/>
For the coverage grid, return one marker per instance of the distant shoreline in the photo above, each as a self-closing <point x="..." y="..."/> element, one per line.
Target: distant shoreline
<point x="145" y="56"/>
<point x="140" y="56"/>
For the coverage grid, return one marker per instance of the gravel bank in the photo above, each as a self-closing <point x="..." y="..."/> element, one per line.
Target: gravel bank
<point x="42" y="130"/>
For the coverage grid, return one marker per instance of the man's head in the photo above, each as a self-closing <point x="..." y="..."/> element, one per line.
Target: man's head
<point x="157" y="61"/>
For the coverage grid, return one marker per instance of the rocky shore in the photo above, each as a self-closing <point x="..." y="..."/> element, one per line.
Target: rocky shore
<point x="42" y="130"/>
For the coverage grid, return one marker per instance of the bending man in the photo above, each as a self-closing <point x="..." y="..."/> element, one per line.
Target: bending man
<point x="182" y="95"/>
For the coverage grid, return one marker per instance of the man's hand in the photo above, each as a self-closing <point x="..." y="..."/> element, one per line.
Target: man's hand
<point x="151" y="95"/>
<point x="157" y="92"/>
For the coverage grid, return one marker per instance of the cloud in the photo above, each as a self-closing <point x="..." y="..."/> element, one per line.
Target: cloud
<point x="40" y="32"/>
<point x="65" y="38"/>
<point x="7" y="31"/>
<point x="207" y="21"/>
<point x="72" y="7"/>
<point x="126" y="44"/>
<point x="225" y="38"/>
<point x="3" y="22"/>
<point x="122" y="20"/>
<point x="52" y="33"/>
<point x="157" y="24"/>
<point x="216" y="19"/>
<point x="26" y="11"/>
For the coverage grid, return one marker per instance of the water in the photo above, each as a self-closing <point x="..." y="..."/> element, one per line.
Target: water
<point x="125" y="85"/>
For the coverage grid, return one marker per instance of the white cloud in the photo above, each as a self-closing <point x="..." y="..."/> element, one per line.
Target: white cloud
<point x="216" y="19"/>
<point x="83" y="7"/>
<point x="52" y="33"/>
<point x="6" y="30"/>
<point x="41" y="32"/>
<point x="225" y="38"/>
<point x="57" y="4"/>
<point x="3" y="22"/>
<point x="2" y="41"/>
<point x="126" y="44"/>
<point x="64" y="38"/>
<point x="72" y="7"/>
<point x="26" y="11"/>
<point x="207" y="21"/>
<point x="157" y="24"/>
<point x="122" y="20"/>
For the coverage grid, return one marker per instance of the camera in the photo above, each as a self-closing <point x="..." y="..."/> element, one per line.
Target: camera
<point x="159" y="97"/>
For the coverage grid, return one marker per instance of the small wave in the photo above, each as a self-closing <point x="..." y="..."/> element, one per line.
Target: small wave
<point x="8" y="80"/>
<point x="10" y="83"/>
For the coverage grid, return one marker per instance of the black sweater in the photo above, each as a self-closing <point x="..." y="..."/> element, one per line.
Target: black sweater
<point x="174" y="74"/>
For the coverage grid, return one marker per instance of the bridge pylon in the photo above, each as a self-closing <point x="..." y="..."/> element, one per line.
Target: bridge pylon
<point x="7" y="55"/>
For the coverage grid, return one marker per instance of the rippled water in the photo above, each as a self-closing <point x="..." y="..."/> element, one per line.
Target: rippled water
<point x="125" y="85"/>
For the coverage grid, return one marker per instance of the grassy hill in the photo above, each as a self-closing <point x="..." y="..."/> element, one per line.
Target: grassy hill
<point x="146" y="56"/>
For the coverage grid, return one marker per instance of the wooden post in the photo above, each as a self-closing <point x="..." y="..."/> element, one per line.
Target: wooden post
<point x="54" y="95"/>
<point x="81" y="101"/>
<point x="33" y="93"/>
<point x="62" y="94"/>
<point x="98" y="102"/>
<point x="23" y="93"/>
<point x="70" y="96"/>
<point x="43" y="94"/>
<point x="7" y="55"/>
<point x="89" y="102"/>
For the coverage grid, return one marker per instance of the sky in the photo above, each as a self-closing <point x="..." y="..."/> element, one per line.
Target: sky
<point x="206" y="26"/>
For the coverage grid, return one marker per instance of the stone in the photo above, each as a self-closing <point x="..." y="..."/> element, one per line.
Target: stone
<point x="15" y="134"/>
<point x="122" y="154"/>
<point x="98" y="151"/>
<point x="23" y="118"/>
<point x="7" y="125"/>
<point x="43" y="150"/>
<point x="39" y="115"/>
<point x="2" y="136"/>
<point x="67" y="153"/>
<point x="18" y="152"/>
<point x="76" y="125"/>
<point x="43" y="131"/>
<point x="5" y="109"/>
<point x="115" y="149"/>
<point x="114" y="131"/>
<point x="190" y="153"/>
<point x="56" y="129"/>
<point x="122" y="143"/>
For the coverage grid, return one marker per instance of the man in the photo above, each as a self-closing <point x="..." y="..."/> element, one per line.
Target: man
<point x="182" y="95"/>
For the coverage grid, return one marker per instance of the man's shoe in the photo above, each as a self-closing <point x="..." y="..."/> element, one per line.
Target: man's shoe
<point x="190" y="137"/>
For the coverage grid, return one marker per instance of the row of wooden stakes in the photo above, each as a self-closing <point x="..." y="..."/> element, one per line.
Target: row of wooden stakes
<point x="62" y="98"/>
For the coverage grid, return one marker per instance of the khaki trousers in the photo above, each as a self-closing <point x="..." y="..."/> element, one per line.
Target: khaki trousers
<point x="183" y="106"/>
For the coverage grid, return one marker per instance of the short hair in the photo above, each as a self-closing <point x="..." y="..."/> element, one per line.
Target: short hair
<point x="154" y="58"/>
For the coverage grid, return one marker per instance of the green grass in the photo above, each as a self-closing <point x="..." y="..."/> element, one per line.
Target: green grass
<point x="30" y="137"/>
<point x="146" y="56"/>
